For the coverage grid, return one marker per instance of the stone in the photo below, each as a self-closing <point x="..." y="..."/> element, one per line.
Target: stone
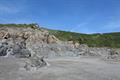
<point x="51" y="39"/>
<point x="3" y="49"/>
<point x="2" y="34"/>
<point x="77" y="45"/>
<point x="19" y="50"/>
<point x="6" y="36"/>
<point x="35" y="62"/>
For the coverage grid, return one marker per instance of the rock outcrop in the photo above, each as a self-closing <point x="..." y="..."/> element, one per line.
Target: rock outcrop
<point x="25" y="42"/>
<point x="14" y="44"/>
<point x="35" y="62"/>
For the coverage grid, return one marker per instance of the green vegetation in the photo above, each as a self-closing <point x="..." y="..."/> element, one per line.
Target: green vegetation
<point x="92" y="40"/>
<point x="33" y="25"/>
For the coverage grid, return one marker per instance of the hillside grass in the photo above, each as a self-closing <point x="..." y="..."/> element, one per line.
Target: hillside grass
<point x="92" y="40"/>
<point x="33" y="25"/>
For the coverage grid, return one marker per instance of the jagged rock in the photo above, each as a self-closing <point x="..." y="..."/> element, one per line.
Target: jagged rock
<point x="15" y="44"/>
<point x="25" y="42"/>
<point x="70" y="42"/>
<point x="6" y="36"/>
<point x="26" y="35"/>
<point x="17" y="50"/>
<point x="3" y="49"/>
<point x="1" y="35"/>
<point x="20" y="50"/>
<point x="76" y="45"/>
<point x="52" y="39"/>
<point x="113" y="54"/>
<point x="35" y="62"/>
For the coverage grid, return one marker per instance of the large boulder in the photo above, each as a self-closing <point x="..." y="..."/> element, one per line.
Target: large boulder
<point x="35" y="62"/>
<point x="15" y="44"/>
<point x="3" y="49"/>
<point x="52" y="39"/>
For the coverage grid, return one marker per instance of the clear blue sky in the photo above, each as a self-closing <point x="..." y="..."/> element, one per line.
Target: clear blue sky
<point x="84" y="16"/>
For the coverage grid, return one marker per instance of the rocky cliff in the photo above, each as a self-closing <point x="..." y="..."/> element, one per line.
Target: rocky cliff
<point x="25" y="42"/>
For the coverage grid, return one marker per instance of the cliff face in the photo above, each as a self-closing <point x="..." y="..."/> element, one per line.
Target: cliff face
<point x="13" y="41"/>
<point x="25" y="42"/>
<point x="21" y="40"/>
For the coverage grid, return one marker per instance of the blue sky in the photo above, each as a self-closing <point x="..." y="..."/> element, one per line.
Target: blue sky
<point x="84" y="16"/>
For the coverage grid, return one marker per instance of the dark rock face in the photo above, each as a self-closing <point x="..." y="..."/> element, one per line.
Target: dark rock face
<point x="14" y="42"/>
<point x="14" y="46"/>
<point x="35" y="62"/>
<point x="17" y="51"/>
<point x="21" y="52"/>
<point x="3" y="49"/>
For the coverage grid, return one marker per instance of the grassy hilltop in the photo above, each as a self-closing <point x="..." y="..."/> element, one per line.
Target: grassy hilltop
<point x="33" y="25"/>
<point x="92" y="40"/>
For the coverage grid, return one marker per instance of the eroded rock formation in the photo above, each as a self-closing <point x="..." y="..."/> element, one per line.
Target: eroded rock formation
<point x="25" y="42"/>
<point x="35" y="62"/>
<point x="14" y="44"/>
